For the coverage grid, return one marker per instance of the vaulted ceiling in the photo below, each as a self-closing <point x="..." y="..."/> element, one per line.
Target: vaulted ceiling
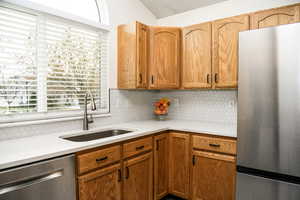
<point x="164" y="8"/>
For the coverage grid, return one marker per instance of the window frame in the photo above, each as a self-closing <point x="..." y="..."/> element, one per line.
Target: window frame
<point x="42" y="117"/>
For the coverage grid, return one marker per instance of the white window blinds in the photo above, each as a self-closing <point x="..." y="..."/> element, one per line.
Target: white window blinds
<point x="49" y="64"/>
<point x="73" y="65"/>
<point x="18" y="70"/>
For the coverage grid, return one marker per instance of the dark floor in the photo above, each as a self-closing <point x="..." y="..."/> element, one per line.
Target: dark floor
<point x="170" y="197"/>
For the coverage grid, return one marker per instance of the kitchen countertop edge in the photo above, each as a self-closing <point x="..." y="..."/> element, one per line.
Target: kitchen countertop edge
<point x="142" y="128"/>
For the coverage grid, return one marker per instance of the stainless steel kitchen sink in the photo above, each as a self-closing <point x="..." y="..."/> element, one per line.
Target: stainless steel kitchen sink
<point x="96" y="135"/>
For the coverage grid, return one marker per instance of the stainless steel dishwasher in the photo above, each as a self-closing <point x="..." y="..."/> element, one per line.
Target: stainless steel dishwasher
<point x="52" y="179"/>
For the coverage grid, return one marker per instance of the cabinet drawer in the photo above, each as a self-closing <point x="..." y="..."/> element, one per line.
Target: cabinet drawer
<point x="136" y="147"/>
<point x="215" y="156"/>
<point x="96" y="159"/>
<point x="215" y="144"/>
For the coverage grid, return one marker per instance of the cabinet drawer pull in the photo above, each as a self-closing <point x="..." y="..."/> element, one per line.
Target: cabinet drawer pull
<point x="157" y="145"/>
<point x="127" y="173"/>
<point x="215" y="145"/>
<point x="140" y="148"/>
<point x="208" y="76"/>
<point x="101" y="159"/>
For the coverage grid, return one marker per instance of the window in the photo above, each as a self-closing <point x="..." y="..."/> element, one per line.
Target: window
<point x="48" y="64"/>
<point x="94" y="10"/>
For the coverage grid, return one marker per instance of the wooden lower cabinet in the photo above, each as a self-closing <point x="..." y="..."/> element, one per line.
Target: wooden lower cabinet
<point x="179" y="176"/>
<point x="190" y="166"/>
<point x="138" y="178"/>
<point x="161" y="166"/>
<point x="213" y="176"/>
<point x="104" y="184"/>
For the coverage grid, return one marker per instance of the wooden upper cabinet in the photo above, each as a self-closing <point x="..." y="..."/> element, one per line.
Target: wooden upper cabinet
<point x="138" y="174"/>
<point x="196" y="56"/>
<point x="142" y="55"/>
<point x="179" y="144"/>
<point x="276" y="16"/>
<point x="161" y="166"/>
<point x="164" y="68"/>
<point x="104" y="184"/>
<point x="133" y="54"/>
<point x="225" y="50"/>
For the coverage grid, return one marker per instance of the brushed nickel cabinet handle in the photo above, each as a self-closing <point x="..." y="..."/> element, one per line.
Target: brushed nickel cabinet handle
<point x="194" y="160"/>
<point x="216" y="78"/>
<point x="101" y="159"/>
<point x="141" y="78"/>
<point x="140" y="148"/>
<point x="119" y="175"/>
<point x="127" y="173"/>
<point x="215" y="145"/>
<point x="152" y="79"/>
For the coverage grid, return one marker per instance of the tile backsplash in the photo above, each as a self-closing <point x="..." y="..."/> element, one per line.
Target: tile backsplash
<point x="124" y="106"/>
<point x="206" y="106"/>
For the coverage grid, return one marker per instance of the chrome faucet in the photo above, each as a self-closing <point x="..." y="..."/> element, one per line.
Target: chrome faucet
<point x="87" y="119"/>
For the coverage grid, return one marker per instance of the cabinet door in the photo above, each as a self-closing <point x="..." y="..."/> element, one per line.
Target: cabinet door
<point x="213" y="176"/>
<point x="161" y="166"/>
<point x="276" y="16"/>
<point x="225" y="50"/>
<point x="142" y="55"/>
<point x="138" y="182"/>
<point x="164" y="57"/>
<point x="196" y="68"/>
<point x="127" y="56"/>
<point x="179" y="164"/>
<point x="104" y="184"/>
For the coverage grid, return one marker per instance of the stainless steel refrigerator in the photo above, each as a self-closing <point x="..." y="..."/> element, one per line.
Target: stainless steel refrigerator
<point x="268" y="155"/>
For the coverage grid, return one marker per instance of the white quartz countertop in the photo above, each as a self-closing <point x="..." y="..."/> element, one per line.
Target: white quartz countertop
<point x="26" y="150"/>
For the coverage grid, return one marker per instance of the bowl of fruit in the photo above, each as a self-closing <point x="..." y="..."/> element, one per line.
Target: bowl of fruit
<point x="161" y="108"/>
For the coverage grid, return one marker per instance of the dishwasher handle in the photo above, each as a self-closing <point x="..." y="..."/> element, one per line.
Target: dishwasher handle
<point x="29" y="182"/>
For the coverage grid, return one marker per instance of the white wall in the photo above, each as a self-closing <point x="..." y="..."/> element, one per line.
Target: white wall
<point x="221" y="10"/>
<point x="123" y="12"/>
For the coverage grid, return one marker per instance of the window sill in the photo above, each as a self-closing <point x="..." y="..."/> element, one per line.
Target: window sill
<point x="45" y="121"/>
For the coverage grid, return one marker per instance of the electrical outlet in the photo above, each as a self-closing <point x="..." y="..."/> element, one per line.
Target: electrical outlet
<point x="232" y="104"/>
